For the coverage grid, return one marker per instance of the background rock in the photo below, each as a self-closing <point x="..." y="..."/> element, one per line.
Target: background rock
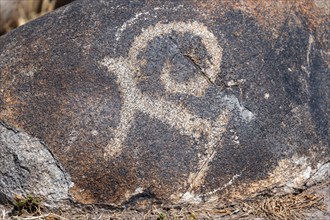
<point x="14" y="13"/>
<point x="186" y="101"/>
<point x="28" y="167"/>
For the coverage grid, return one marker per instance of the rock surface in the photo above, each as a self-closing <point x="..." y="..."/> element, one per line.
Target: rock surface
<point x="26" y="165"/>
<point x="185" y="101"/>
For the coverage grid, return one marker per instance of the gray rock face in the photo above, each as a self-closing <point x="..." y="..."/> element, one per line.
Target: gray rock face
<point x="170" y="101"/>
<point x="28" y="167"/>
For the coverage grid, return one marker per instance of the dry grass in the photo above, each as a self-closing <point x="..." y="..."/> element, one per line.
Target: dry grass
<point x="35" y="10"/>
<point x="50" y="216"/>
<point x="285" y="207"/>
<point x="278" y="207"/>
<point x="28" y="10"/>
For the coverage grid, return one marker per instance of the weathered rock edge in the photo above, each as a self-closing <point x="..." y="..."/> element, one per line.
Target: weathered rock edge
<point x="27" y="166"/>
<point x="33" y="169"/>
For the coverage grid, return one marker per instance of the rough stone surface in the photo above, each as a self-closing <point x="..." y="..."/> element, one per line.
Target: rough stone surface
<point x="28" y="167"/>
<point x="174" y="101"/>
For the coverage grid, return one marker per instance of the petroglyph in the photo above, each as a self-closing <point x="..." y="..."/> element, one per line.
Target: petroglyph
<point x="140" y="17"/>
<point x="184" y="121"/>
<point x="140" y="105"/>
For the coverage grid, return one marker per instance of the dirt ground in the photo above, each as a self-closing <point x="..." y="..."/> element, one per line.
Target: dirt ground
<point x="313" y="203"/>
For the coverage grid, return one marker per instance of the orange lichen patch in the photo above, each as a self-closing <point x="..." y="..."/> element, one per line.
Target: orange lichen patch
<point x="82" y="195"/>
<point x="272" y="14"/>
<point x="7" y="107"/>
<point x="210" y="5"/>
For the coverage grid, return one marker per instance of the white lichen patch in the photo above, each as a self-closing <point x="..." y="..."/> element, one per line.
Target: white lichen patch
<point x="29" y="73"/>
<point x="309" y="48"/>
<point x="322" y="174"/>
<point x="94" y="132"/>
<point x="191" y="198"/>
<point x="290" y="174"/>
<point x="266" y="95"/>
<point x="234" y="104"/>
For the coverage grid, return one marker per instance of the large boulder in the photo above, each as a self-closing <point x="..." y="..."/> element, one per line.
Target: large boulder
<point x="175" y="101"/>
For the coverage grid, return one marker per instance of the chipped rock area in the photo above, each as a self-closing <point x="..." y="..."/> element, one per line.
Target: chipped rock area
<point x="282" y="180"/>
<point x="185" y="102"/>
<point x="27" y="167"/>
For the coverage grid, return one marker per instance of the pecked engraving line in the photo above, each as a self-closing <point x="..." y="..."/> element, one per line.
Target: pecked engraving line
<point x="126" y="69"/>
